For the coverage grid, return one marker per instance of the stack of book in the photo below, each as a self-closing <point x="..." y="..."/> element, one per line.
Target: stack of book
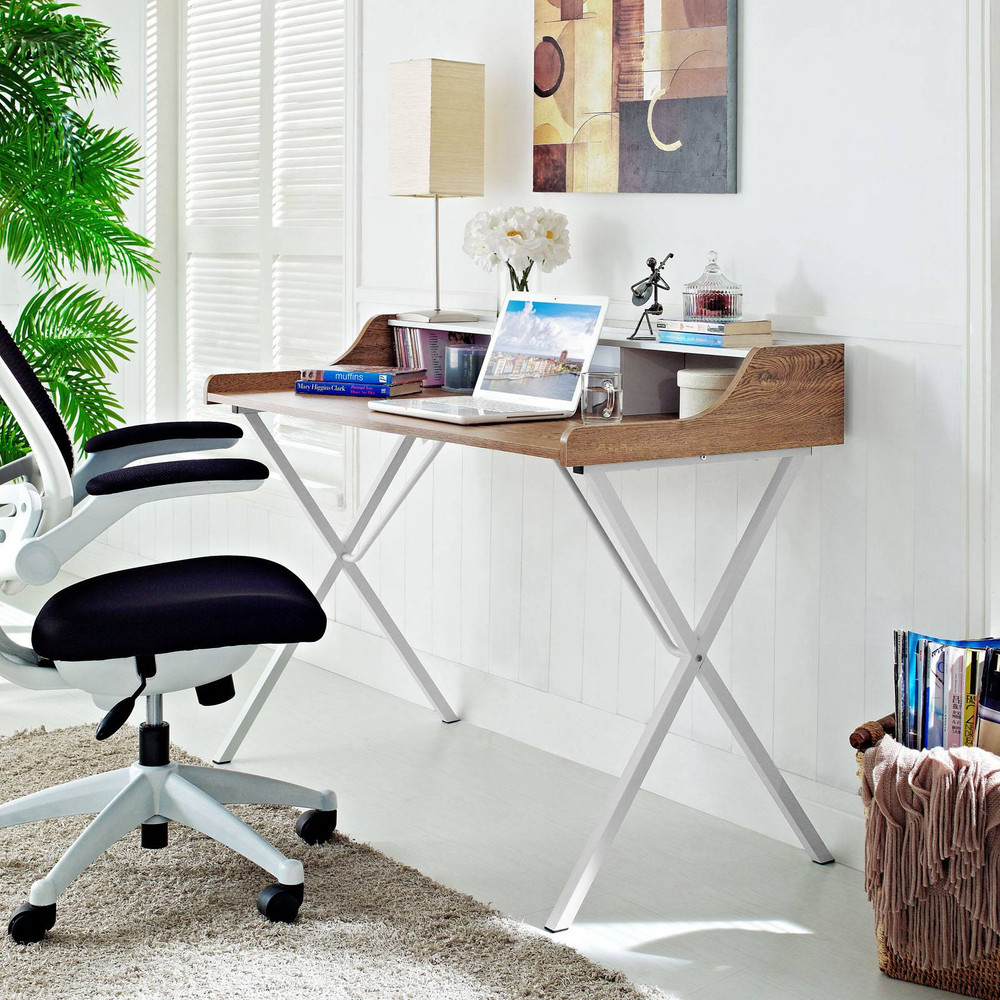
<point x="947" y="692"/>
<point x="715" y="333"/>
<point x="421" y="348"/>
<point x="360" y="380"/>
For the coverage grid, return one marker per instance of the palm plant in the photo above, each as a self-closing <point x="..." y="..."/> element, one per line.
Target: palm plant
<point x="64" y="182"/>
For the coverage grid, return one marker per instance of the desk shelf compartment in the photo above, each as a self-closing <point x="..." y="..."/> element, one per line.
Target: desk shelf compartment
<point x="784" y="397"/>
<point x="428" y="345"/>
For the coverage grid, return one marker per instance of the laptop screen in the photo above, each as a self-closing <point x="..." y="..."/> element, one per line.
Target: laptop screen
<point x="540" y="348"/>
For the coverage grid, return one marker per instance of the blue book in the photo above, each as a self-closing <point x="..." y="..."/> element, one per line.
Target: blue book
<point x="920" y="684"/>
<point x="317" y="388"/>
<point x="713" y="339"/>
<point x="694" y="339"/>
<point x="364" y="374"/>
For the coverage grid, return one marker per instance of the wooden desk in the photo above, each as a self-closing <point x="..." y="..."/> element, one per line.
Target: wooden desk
<point x="784" y="401"/>
<point x="782" y="397"/>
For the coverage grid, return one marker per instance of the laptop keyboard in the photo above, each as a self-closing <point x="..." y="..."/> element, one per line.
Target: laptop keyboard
<point x="471" y="405"/>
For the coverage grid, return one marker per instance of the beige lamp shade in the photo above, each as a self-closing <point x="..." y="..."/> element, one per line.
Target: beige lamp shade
<point x="436" y="128"/>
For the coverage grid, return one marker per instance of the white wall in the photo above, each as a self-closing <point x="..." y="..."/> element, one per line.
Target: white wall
<point x="850" y="222"/>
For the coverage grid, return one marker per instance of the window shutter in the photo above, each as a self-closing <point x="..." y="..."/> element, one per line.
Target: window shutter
<point x="222" y="319"/>
<point x="222" y="112"/>
<point x="262" y="238"/>
<point x="309" y="113"/>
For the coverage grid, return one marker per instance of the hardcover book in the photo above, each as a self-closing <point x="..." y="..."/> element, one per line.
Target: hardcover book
<point x="714" y="339"/>
<point x="728" y="328"/>
<point x="364" y="374"/>
<point x="319" y="388"/>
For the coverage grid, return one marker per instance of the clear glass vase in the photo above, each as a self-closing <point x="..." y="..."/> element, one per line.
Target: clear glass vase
<point x="519" y="282"/>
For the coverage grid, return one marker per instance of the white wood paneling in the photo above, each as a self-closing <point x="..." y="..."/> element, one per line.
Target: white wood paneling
<point x="472" y="606"/>
<point x="417" y="554"/>
<point x="537" y="515"/>
<point x="676" y="555"/>
<point x="570" y="540"/>
<point x="504" y="621"/>
<point x="714" y="528"/>
<point x="637" y="643"/>
<point x="753" y="611"/>
<point x="391" y="542"/>
<point x="601" y="623"/>
<point x="842" y="522"/>
<point x="796" y="623"/>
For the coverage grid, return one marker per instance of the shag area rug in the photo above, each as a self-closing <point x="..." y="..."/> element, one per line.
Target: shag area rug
<point x="182" y="923"/>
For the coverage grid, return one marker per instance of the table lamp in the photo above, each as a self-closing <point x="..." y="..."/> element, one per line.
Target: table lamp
<point x="436" y="145"/>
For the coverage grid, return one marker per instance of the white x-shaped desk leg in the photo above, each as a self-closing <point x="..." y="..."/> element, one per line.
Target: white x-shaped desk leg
<point x="346" y="553"/>
<point x="639" y="570"/>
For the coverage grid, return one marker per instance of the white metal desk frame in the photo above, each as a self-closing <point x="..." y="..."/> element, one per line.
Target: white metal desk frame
<point x="689" y="643"/>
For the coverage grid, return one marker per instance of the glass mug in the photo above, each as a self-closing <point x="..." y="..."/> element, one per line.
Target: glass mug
<point x="602" y="398"/>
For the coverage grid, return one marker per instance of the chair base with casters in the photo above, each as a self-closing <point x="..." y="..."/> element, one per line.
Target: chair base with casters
<point x="143" y="632"/>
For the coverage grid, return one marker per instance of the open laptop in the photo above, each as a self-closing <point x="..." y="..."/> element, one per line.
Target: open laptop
<point x="541" y="347"/>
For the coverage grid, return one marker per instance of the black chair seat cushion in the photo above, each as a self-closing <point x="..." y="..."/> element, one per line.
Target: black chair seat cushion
<point x="201" y="603"/>
<point x="164" y="430"/>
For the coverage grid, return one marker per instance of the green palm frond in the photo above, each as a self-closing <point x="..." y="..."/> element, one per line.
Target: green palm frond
<point x="74" y="324"/>
<point x="64" y="185"/>
<point x="51" y="236"/>
<point x="13" y="443"/>
<point x="72" y="337"/>
<point x="73" y="50"/>
<point x="62" y="202"/>
<point x="24" y="93"/>
<point x="87" y="404"/>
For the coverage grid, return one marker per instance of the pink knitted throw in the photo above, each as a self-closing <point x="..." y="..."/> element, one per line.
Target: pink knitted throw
<point x="932" y="851"/>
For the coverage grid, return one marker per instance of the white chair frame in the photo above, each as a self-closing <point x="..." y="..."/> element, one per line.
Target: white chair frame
<point x="46" y="517"/>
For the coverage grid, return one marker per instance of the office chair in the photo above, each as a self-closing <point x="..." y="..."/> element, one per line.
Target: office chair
<point x="138" y="633"/>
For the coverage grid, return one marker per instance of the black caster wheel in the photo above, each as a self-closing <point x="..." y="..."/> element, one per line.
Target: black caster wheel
<point x="28" y="923"/>
<point x="280" y="903"/>
<point x="316" y="826"/>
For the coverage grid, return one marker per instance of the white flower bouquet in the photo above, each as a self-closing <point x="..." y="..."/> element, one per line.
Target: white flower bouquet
<point x="520" y="239"/>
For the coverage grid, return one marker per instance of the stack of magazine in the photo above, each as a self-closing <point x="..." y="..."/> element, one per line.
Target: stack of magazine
<point x="947" y="692"/>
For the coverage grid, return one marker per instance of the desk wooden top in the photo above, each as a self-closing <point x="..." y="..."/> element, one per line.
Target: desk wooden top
<point x="783" y="397"/>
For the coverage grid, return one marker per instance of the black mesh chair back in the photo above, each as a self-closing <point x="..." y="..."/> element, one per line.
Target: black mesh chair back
<point x="39" y="420"/>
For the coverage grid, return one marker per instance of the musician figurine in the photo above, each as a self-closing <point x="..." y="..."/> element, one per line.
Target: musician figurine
<point x="642" y="290"/>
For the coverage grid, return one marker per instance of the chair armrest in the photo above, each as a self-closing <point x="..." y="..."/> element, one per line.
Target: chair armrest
<point x="124" y="445"/>
<point x="162" y="431"/>
<point x="38" y="560"/>
<point x="195" y="470"/>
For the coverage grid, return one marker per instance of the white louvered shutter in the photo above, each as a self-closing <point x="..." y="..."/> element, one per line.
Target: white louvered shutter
<point x="262" y="232"/>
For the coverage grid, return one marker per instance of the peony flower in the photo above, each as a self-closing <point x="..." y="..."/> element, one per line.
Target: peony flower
<point x="480" y="241"/>
<point x="553" y="239"/>
<point x="519" y="239"/>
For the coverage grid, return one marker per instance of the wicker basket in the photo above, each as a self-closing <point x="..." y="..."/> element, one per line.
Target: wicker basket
<point x="980" y="980"/>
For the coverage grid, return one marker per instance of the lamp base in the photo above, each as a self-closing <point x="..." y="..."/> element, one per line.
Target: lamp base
<point x="438" y="316"/>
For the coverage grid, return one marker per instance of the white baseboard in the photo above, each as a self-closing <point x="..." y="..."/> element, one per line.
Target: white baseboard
<point x="700" y="776"/>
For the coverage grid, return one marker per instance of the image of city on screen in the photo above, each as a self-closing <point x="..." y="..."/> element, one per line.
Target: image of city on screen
<point x="540" y="348"/>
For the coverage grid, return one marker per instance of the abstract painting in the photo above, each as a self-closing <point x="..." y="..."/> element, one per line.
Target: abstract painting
<point x="635" y="95"/>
